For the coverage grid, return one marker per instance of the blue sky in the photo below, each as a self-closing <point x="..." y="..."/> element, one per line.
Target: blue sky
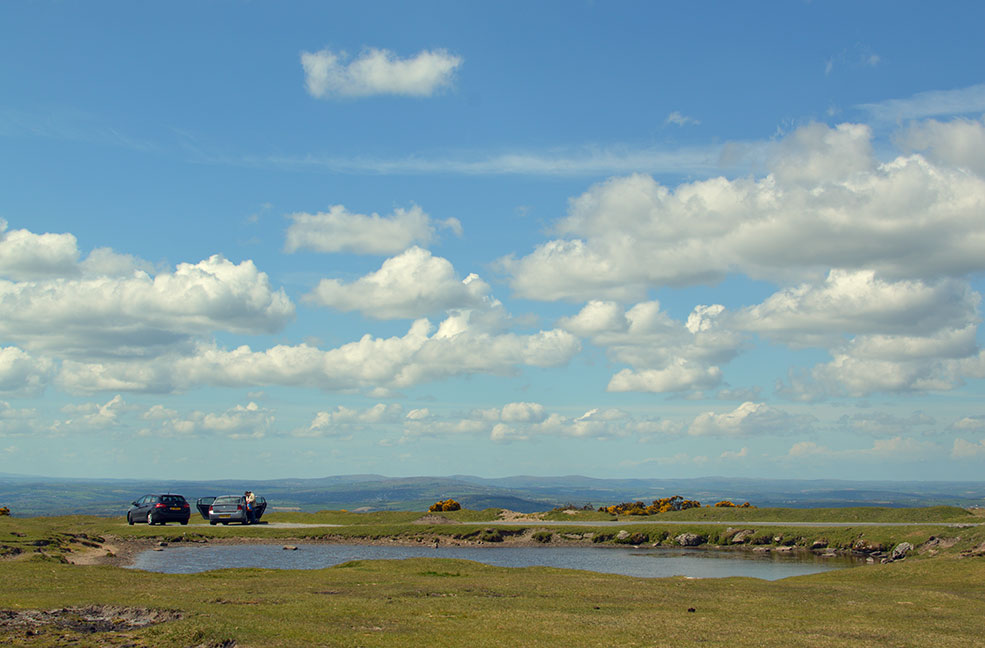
<point x="612" y="239"/>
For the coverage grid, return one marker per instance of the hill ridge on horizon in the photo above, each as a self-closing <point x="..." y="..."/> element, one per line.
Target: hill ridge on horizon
<point x="515" y="477"/>
<point x="33" y="495"/>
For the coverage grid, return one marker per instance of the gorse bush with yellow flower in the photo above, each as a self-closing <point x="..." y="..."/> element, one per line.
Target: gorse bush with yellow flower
<point x="445" y="505"/>
<point x="662" y="505"/>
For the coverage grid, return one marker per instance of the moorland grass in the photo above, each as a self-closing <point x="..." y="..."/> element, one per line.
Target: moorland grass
<point x="869" y="514"/>
<point x="920" y="601"/>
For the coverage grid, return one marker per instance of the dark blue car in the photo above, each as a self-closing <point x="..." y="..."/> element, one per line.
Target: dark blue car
<point x="159" y="509"/>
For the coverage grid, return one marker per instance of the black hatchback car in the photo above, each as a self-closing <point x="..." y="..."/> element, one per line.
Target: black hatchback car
<point x="159" y="509"/>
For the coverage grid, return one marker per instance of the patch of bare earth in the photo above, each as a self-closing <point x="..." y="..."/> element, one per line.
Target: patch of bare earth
<point x="513" y="516"/>
<point x="70" y="624"/>
<point x="94" y="555"/>
<point x="431" y="518"/>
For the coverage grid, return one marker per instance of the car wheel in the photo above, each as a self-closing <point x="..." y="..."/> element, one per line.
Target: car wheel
<point x="150" y="518"/>
<point x="184" y="522"/>
<point x="224" y="523"/>
<point x="129" y="520"/>
<point x="213" y="522"/>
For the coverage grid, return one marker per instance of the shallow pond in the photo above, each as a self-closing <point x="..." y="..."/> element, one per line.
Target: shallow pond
<point x="646" y="563"/>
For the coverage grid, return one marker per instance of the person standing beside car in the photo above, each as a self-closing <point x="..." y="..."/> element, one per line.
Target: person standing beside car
<point x="250" y="500"/>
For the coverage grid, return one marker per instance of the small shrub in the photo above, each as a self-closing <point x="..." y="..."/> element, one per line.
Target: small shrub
<point x="445" y="505"/>
<point x="663" y="505"/>
<point x="490" y="535"/>
<point x="729" y="504"/>
<point x="4" y="510"/>
<point x="9" y="550"/>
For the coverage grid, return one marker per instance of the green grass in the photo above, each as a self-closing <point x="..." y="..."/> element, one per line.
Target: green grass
<point x="851" y="514"/>
<point x="379" y="517"/>
<point x="917" y="602"/>
<point x="458" y="603"/>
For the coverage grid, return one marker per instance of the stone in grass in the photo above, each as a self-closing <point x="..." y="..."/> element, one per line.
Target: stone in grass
<point x="689" y="539"/>
<point x="900" y="551"/>
<point x="290" y="548"/>
<point x="742" y="535"/>
<point x="865" y="546"/>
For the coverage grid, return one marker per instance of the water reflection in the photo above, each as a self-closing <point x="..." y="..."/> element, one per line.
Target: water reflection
<point x="645" y="563"/>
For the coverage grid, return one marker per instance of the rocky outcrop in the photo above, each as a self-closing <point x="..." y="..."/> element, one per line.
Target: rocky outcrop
<point x="740" y="536"/>
<point x="933" y="545"/>
<point x="690" y="539"/>
<point x="864" y="546"/>
<point x="975" y="552"/>
<point x="820" y="543"/>
<point x="899" y="551"/>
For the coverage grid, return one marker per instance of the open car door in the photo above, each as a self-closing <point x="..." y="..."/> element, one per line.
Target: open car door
<point x="203" y="504"/>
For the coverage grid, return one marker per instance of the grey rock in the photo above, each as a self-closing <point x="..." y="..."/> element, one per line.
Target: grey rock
<point x="868" y="546"/>
<point x="900" y="550"/>
<point x="742" y="535"/>
<point x="689" y="539"/>
<point x="622" y="535"/>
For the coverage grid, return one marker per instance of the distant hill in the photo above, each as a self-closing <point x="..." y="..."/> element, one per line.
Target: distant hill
<point x="32" y="495"/>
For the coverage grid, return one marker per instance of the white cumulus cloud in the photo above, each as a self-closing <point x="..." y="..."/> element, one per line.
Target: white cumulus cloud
<point x="959" y="142"/>
<point x="339" y="230"/>
<point x="23" y="374"/>
<point x="749" y="419"/>
<point x="964" y="449"/>
<point x="423" y="354"/>
<point x="665" y="355"/>
<point x="827" y="203"/>
<point x="858" y="302"/>
<point x="378" y="72"/>
<point x="412" y="284"/>
<point x="141" y="314"/>
<point x="26" y="255"/>
<point x="248" y="421"/>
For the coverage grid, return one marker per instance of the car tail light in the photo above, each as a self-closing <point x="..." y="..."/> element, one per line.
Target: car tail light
<point x="210" y="510"/>
<point x="185" y="505"/>
<point x="239" y="507"/>
<point x="160" y="505"/>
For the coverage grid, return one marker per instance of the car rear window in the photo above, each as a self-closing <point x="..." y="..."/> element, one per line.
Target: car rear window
<point x="172" y="499"/>
<point x="226" y="500"/>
